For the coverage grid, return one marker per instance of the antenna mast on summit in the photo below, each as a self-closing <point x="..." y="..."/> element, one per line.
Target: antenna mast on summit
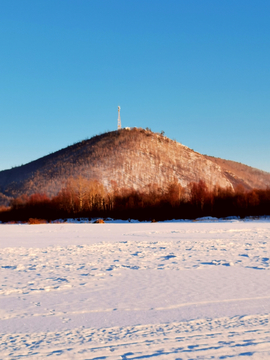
<point x="119" y="119"/>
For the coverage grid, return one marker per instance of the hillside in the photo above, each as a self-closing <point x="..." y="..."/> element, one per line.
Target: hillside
<point x="245" y="175"/>
<point x="129" y="158"/>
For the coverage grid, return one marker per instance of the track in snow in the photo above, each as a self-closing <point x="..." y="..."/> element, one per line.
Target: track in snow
<point x="135" y="291"/>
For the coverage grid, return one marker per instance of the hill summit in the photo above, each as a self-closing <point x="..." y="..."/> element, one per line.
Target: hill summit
<point x="131" y="158"/>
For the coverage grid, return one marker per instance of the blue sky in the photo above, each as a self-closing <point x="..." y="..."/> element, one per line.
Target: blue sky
<point x="199" y="70"/>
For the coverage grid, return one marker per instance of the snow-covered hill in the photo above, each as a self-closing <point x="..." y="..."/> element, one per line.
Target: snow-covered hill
<point x="128" y="158"/>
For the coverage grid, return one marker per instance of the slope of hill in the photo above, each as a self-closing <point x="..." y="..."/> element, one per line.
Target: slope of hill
<point x="245" y="175"/>
<point x="129" y="158"/>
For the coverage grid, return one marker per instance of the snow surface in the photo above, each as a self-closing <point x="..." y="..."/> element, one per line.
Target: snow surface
<point x="175" y="290"/>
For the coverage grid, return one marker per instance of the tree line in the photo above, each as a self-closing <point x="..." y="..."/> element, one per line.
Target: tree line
<point x="88" y="198"/>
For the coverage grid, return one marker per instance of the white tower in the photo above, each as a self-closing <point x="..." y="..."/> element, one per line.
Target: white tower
<point x="119" y="119"/>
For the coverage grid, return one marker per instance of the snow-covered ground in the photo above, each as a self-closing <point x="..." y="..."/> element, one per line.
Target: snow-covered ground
<point x="176" y="290"/>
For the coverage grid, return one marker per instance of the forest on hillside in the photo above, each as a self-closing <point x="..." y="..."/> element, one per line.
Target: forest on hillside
<point x="81" y="197"/>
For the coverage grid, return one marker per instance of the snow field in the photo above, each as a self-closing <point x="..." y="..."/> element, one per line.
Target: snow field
<point x="189" y="290"/>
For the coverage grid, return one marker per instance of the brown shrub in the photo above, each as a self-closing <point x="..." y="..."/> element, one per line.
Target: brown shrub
<point x="34" y="221"/>
<point x="99" y="221"/>
<point x="4" y="208"/>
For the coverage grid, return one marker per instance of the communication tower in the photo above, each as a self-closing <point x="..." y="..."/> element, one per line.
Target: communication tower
<point x="119" y="119"/>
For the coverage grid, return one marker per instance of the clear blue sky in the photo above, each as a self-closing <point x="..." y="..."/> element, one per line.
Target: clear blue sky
<point x="199" y="70"/>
